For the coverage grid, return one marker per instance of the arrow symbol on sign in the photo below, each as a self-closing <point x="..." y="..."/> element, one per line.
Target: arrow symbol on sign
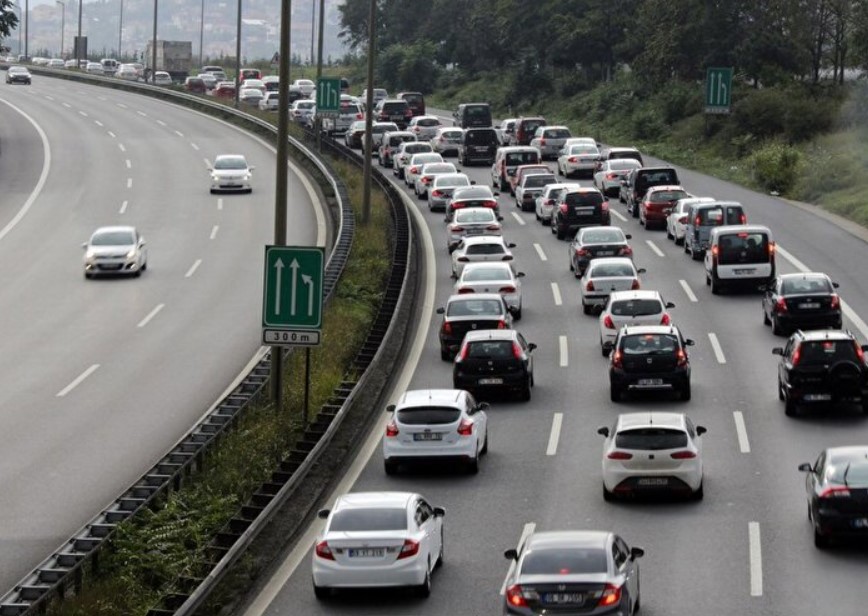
<point x="309" y="282"/>
<point x="294" y="267"/>
<point x="278" y="265"/>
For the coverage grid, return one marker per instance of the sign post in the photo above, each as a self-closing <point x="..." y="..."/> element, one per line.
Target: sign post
<point x="718" y="90"/>
<point x="292" y="296"/>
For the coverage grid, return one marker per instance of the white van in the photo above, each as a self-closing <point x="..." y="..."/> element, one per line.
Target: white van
<point x="739" y="255"/>
<point x="109" y="66"/>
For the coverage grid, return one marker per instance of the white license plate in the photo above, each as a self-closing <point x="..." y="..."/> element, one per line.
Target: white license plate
<point x="491" y="381"/>
<point x="584" y="211"/>
<point x="860" y="523"/>
<point x="649" y="382"/>
<point x="366" y="553"/>
<point x="744" y="272"/>
<point x="605" y="253"/>
<point x="428" y="436"/>
<point x="474" y="232"/>
<point x="563" y="597"/>
<point x="818" y="397"/>
<point x="809" y="305"/>
<point x="653" y="481"/>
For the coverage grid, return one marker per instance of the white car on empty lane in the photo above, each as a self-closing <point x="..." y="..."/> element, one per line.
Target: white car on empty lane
<point x="116" y="250"/>
<point x="231" y="173"/>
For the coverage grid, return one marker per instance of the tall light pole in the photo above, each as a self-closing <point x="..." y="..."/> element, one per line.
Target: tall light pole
<point x="312" y="29"/>
<point x="238" y="54"/>
<point x="120" y="30"/>
<point x="201" y="33"/>
<point x="20" y="23"/>
<point x="154" y="49"/>
<point x="26" y="28"/>
<point x="78" y="39"/>
<point x="62" y="23"/>
<point x="369" y="112"/>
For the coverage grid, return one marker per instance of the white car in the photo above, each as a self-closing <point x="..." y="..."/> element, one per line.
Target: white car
<point x="442" y="188"/>
<point x="496" y="277"/>
<point x="94" y="68"/>
<point x="232" y="173"/>
<point x="443" y="424"/>
<point x="414" y="167"/>
<point x="117" y="250"/>
<point x="608" y="176"/>
<point x="378" y="539"/>
<point x="447" y="140"/>
<point x="254" y="83"/>
<point x="545" y="202"/>
<point x="471" y="221"/>
<point x="652" y="451"/>
<point x="531" y="186"/>
<point x="426" y="175"/>
<point x="271" y="102"/>
<point x="401" y="157"/>
<point x="305" y="86"/>
<point x="162" y="78"/>
<point x="55" y="63"/>
<point x="676" y="222"/>
<point x="302" y="111"/>
<point x="424" y="127"/>
<point x="605" y="275"/>
<point x="480" y="249"/>
<point x="642" y="307"/>
<point x="578" y="158"/>
<point x="127" y="72"/>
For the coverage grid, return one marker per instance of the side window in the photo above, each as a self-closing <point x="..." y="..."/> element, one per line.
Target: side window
<point x="618" y="555"/>
<point x="820" y="465"/>
<point x="522" y="342"/>
<point x="423" y="513"/>
<point x="691" y="430"/>
<point x="791" y="349"/>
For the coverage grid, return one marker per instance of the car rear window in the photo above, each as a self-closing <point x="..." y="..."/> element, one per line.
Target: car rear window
<point x="850" y="470"/>
<point x="451" y="182"/>
<point x="623" y="164"/>
<point x="521" y="158"/>
<point x="428" y="122"/>
<point x="805" y="285"/>
<point x="635" y="307"/>
<point x="485" y="249"/>
<point x="583" y="149"/>
<point x="564" y="561"/>
<point x="438" y="168"/>
<point x="476" y="111"/>
<point x="657" y="177"/>
<point x="347" y="108"/>
<point x="394" y="107"/>
<point x="557" y="133"/>
<point x="399" y="139"/>
<point x="651" y="439"/>
<point x="474" y="307"/>
<point x="490" y="349"/>
<point x="661" y="196"/>
<point x="486" y="274"/>
<point x="599" y="236"/>
<point x="603" y="270"/>
<point x="422" y="415"/>
<point x="743" y="248"/>
<point x="481" y="137"/>
<point x="475" y="216"/>
<point x="531" y="125"/>
<point x="537" y="180"/>
<point x="453" y="135"/>
<point x="710" y="216"/>
<point x="413" y="98"/>
<point x="649" y="344"/>
<point x="588" y="198"/>
<point x="349" y="520"/>
<point x="417" y="147"/>
<point x="827" y="352"/>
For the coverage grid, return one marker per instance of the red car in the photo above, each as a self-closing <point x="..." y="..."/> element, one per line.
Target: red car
<point x="657" y="203"/>
<point x="224" y="89"/>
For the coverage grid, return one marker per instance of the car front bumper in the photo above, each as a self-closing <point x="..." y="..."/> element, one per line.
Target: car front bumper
<point x="110" y="266"/>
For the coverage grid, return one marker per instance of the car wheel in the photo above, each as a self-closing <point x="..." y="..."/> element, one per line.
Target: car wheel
<point x="441" y="558"/>
<point x="424" y="589"/>
<point x="603" y="350"/>
<point x="669" y="235"/>
<point x="445" y="355"/>
<point x="679" y="241"/>
<point x="685" y="394"/>
<point x="635" y="211"/>
<point x="614" y="393"/>
<point x="777" y="330"/>
<point x="821" y="542"/>
<point x="766" y="320"/>
<point x="560" y="233"/>
<point x="321" y="592"/>
<point x="607" y="496"/>
<point x="390" y="467"/>
<point x="781" y="396"/>
<point x="473" y="465"/>
<point x="699" y="494"/>
<point x="789" y="406"/>
<point x="587" y="308"/>
<point x="641" y="220"/>
<point x="517" y="314"/>
<point x="87" y="276"/>
<point x="525" y="393"/>
<point x="714" y="283"/>
<point x="484" y="449"/>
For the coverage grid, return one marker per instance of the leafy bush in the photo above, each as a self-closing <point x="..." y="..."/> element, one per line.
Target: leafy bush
<point x="647" y="124"/>
<point x="679" y="100"/>
<point x="761" y="113"/>
<point x="776" y="166"/>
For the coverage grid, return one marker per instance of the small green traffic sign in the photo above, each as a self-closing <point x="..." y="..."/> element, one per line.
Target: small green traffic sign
<point x="292" y="292"/>
<point x="328" y="95"/>
<point x="718" y="90"/>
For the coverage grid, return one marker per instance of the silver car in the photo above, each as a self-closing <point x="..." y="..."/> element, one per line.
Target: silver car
<point x="270" y="102"/>
<point x="302" y="111"/>
<point x="440" y="193"/>
<point x="414" y="167"/>
<point x="426" y="177"/>
<point x="349" y="112"/>
<point x="479" y="249"/>
<point x="609" y="173"/>
<point x="676" y="222"/>
<point x="530" y="188"/>
<point x="118" y="250"/>
<point x="94" y="68"/>
<point x="447" y="140"/>
<point x="550" y="139"/>
<point x="401" y="158"/>
<point x="505" y="130"/>
<point x="492" y="277"/>
<point x="231" y="172"/>
<point x="578" y="159"/>
<point x="605" y="275"/>
<point x="469" y="222"/>
<point x="424" y="127"/>
<point x="378" y="129"/>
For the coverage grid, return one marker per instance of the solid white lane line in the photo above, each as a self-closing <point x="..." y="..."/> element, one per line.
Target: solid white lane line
<point x="67" y="105"/>
<point x="688" y="291"/>
<point x="194" y="146"/>
<point x="718" y="350"/>
<point x="161" y="123"/>
<point x="77" y="381"/>
<point x="214" y="231"/>
<point x="142" y="113"/>
<point x="129" y="182"/>
<point x="525" y="533"/>
<point x="756" y="560"/>
<point x="98" y="123"/>
<point x="741" y="431"/>
<point x="102" y="98"/>
<point x="111" y="134"/>
<point x="518" y="218"/>
<point x="618" y="215"/>
<point x="151" y="315"/>
<point x="564" y="351"/>
<point x="556" y="293"/>
<point x="193" y="268"/>
<point x="555" y="435"/>
<point x="179" y="133"/>
<point x="220" y="203"/>
<point x="129" y="164"/>
<point x="83" y="113"/>
<point x="540" y="252"/>
<point x="122" y="147"/>
<point x="124" y="207"/>
<point x="653" y="247"/>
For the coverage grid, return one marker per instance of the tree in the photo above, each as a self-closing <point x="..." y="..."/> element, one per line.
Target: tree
<point x="8" y="18"/>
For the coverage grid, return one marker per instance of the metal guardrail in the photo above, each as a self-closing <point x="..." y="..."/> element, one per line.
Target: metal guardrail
<point x="64" y="568"/>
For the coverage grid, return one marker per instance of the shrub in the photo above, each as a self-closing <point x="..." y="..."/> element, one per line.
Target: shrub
<point x="776" y="166"/>
<point x="647" y="124"/>
<point x="761" y="113"/>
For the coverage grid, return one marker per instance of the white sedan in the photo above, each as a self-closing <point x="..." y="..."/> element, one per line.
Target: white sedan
<point x="480" y="249"/>
<point x="471" y="221"/>
<point x="650" y="452"/>
<point x="231" y="172"/>
<point x="605" y="275"/>
<point x="162" y="78"/>
<point x="578" y="158"/>
<point x="677" y="219"/>
<point x="496" y="277"/>
<point x="378" y="539"/>
<point x="118" y="250"/>
<point x="425" y="177"/>
<point x="642" y="307"/>
<point x="414" y="167"/>
<point x="608" y="176"/>
<point x="441" y="424"/>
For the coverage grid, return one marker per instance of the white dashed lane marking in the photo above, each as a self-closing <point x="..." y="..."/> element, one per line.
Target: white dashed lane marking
<point x="618" y="215"/>
<point x="151" y="315"/>
<point x="98" y="123"/>
<point x="111" y="134"/>
<point x="122" y="147"/>
<point x="518" y="218"/>
<point x="179" y="133"/>
<point x="555" y="434"/>
<point x="194" y="146"/>
<point x="556" y="293"/>
<point x="688" y="291"/>
<point x="142" y="113"/>
<point x="78" y="380"/>
<point x="220" y="203"/>
<point x="214" y="231"/>
<point x="161" y="123"/>
<point x="741" y="431"/>
<point x="67" y="105"/>
<point x="193" y="268"/>
<point x="83" y="113"/>
<point x="718" y="350"/>
<point x="540" y="252"/>
<point x="129" y="163"/>
<point x="129" y="182"/>
<point x="654" y="248"/>
<point x="756" y="559"/>
<point x="124" y="207"/>
<point x="564" y="351"/>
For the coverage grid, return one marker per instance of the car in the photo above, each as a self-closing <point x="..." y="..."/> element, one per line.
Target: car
<point x="191" y="84"/>
<point x="231" y="173"/>
<point x="18" y="74"/>
<point x="480" y="249"/>
<point x="655" y="206"/>
<point x="739" y="256"/>
<point x="527" y="169"/>
<point x="638" y="181"/>
<point x="380" y="94"/>
<point x="389" y="144"/>
<point x="837" y="491"/>
<point x="573" y="572"/>
<point x="577" y="159"/>
<point x="676" y="222"/>
<point x="218" y="72"/>
<point x="473" y="311"/>
<point x="94" y="68"/>
<point x="577" y="208"/>
<point x="471" y="196"/>
<point x="431" y="425"/>
<point x="115" y="250"/>
<point x="608" y="175"/>
<point x="307" y="86"/>
<point x="414" y="166"/>
<point x="208" y="79"/>
<point x="109" y="66"/>
<point x="492" y="277"/>
<point x="224" y="89"/>
<point x="478" y="145"/>
<point x="492" y="360"/>
<point x="71" y="63"/>
<point x="271" y="82"/>
<point x="254" y="83"/>
<point x="393" y="110"/>
<point x="471" y="221"/>
<point x="55" y="63"/>
<point x="425" y="127"/>
<point x="302" y="111"/>
<point x="162" y="78"/>
<point x="549" y="140"/>
<point x="378" y="129"/>
<point x="705" y="216"/>
<point x="605" y="275"/>
<point x="426" y="176"/>
<point x="822" y="367"/>
<point x="250" y="96"/>
<point x="446" y="140"/>
<point x="620" y="153"/>
<point x="545" y="202"/>
<point x="525" y="128"/>
<point x="530" y="188"/>
<point x="805" y="300"/>
<point x="649" y="452"/>
<point x="349" y="111"/>
<point x="508" y="159"/>
<point x="596" y="242"/>
<point x="649" y="358"/>
<point x="473" y="115"/>
<point x="270" y="102"/>
<point x="377" y="539"/>
<point x="505" y="130"/>
<point x="444" y="184"/>
<point x="415" y="100"/>
<point x="405" y="152"/>
<point x="639" y="307"/>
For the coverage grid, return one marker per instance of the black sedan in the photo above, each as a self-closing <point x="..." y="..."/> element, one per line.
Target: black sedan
<point x="593" y="242"/>
<point x="354" y="135"/>
<point x="837" y="487"/>
<point x="469" y="312"/>
<point x="18" y="74"/>
<point x="801" y="301"/>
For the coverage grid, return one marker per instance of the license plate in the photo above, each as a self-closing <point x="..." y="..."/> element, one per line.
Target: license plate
<point x="366" y="553"/>
<point x="809" y="305"/>
<point x="564" y="597"/>
<point x="653" y="481"/>
<point x="584" y="211"/>
<point x="649" y="382"/>
<point x="605" y="253"/>
<point x="480" y="149"/>
<point x="743" y="272"/>
<point x="818" y="397"/>
<point x="428" y="436"/>
<point x="491" y="381"/>
<point x="860" y="523"/>
<point x="474" y="232"/>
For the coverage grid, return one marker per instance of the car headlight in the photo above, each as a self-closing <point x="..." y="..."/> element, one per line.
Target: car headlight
<point x="131" y="254"/>
<point x="215" y="178"/>
<point x="89" y="257"/>
<point x="247" y="177"/>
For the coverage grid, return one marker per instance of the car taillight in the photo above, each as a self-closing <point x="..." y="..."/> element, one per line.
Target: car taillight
<point x="507" y="258"/>
<point x="465" y="428"/>
<point x="835" y="492"/>
<point x="515" y="596"/>
<point x="666" y="320"/>
<point x="635" y="284"/>
<point x="442" y="139"/>
<point x="408" y="113"/>
<point x="410" y="548"/>
<point x="360" y="116"/>
<point x="589" y="286"/>
<point x="563" y="208"/>
<point x="456" y="229"/>
<point x="447" y="328"/>
<point x="542" y="141"/>
<point x="608" y="323"/>
<point x="465" y="291"/>
<point x="414" y="170"/>
<point x="681" y="357"/>
<point x="620" y="455"/>
<point x="437" y="193"/>
<point x="771" y="248"/>
<point x="714" y="251"/>
<point x="781" y="305"/>
<point x="683" y="455"/>
<point x="859" y="352"/>
<point x="581" y="252"/>
<point x="427" y="179"/>
<point x="836" y="302"/>
<point x="324" y="551"/>
<point x="391" y="429"/>
<point x="696" y="221"/>
<point x="611" y="596"/>
<point x="611" y="176"/>
<point x="549" y="202"/>
<point x="416" y="129"/>
<point x="491" y="204"/>
<point x="617" y="359"/>
<point x="626" y="251"/>
<point x="742" y="219"/>
<point x="506" y="290"/>
<point x="493" y="228"/>
<point x="463" y="353"/>
<point x="573" y="159"/>
<point x="797" y="355"/>
<point x="605" y="206"/>
<point x="501" y="324"/>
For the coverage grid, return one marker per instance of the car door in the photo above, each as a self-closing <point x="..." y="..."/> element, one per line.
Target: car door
<point x="627" y="567"/>
<point x="528" y="352"/>
<point x="427" y="523"/>
<point x="786" y="361"/>
<point x="770" y="296"/>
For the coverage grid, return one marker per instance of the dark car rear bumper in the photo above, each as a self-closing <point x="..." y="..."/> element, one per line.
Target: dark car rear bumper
<point x="638" y="381"/>
<point x="791" y="321"/>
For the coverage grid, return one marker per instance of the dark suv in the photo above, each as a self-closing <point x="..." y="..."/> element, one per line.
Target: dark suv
<point x="478" y="145"/>
<point x="393" y="110"/>
<point x="525" y="128"/>
<point x="634" y="187"/>
<point x="579" y="207"/>
<point x="824" y="366"/>
<point x="494" y="360"/>
<point x="469" y="312"/>
<point x="473" y="115"/>
<point x="649" y="358"/>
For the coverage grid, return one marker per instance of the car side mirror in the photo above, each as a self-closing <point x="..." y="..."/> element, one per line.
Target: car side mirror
<point x="511" y="554"/>
<point x="636" y="553"/>
<point x="322" y="514"/>
<point x="390" y="408"/>
<point x="670" y="305"/>
<point x="641" y="270"/>
<point x="700" y="430"/>
<point x="628" y="236"/>
<point x="499" y="218"/>
<point x="805" y="467"/>
<point x="441" y="311"/>
<point x="512" y="309"/>
<point x="439" y="512"/>
<point x="497" y="194"/>
<point x="531" y="346"/>
<point x="520" y="275"/>
<point x="142" y="243"/>
<point x="604" y="431"/>
<point x="689" y="342"/>
<point x="84" y="244"/>
<point x="473" y="182"/>
<point x="778" y="351"/>
<point x="835" y="285"/>
<point x="510" y="245"/>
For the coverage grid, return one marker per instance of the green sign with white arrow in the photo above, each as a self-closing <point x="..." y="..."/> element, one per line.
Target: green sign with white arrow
<point x="292" y="293"/>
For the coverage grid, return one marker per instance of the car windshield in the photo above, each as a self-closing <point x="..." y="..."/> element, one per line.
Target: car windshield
<point x="584" y="198"/>
<point x="564" y="561"/>
<point x="537" y="180"/>
<point x="230" y="163"/>
<point x="348" y="520"/>
<point x="827" y="352"/>
<point x="661" y="196"/>
<point x="604" y="270"/>
<point x="635" y="308"/>
<point x="490" y="349"/>
<point x="472" y="192"/>
<point x="651" y="439"/>
<point x="513" y="159"/>
<point x="113" y="238"/>
<point x="649" y="344"/>
<point x="422" y="415"/>
<point x="600" y="236"/>
<point x="485" y="249"/>
<point x="743" y="248"/>
<point x="474" y="307"/>
<point x="475" y="216"/>
<point x="397" y="139"/>
<point x="849" y="470"/>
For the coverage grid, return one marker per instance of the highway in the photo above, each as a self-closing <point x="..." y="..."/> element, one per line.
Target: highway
<point x="99" y="378"/>
<point x="747" y="548"/>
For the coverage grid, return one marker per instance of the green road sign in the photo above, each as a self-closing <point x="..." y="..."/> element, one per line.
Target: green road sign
<point x="292" y="293"/>
<point x="328" y="95"/>
<point x="718" y="90"/>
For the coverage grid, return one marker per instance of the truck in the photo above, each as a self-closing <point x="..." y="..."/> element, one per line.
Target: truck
<point x="174" y="57"/>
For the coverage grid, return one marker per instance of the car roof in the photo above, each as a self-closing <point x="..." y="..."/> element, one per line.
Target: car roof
<point x="472" y="240"/>
<point x="583" y="189"/>
<point x="399" y="133"/>
<point x="716" y="231"/>
<point x="450" y="176"/>
<point x="415" y="397"/>
<point x="115" y="228"/>
<point x="471" y="296"/>
<point x="648" y="419"/>
<point x="555" y="126"/>
<point x="366" y="500"/>
<point x="825" y="334"/>
<point x="666" y="187"/>
<point x="504" y="265"/>
<point x="219" y="156"/>
<point x="623" y="149"/>
<point x="638" y="294"/>
<point x="638" y="330"/>
<point x="490" y="334"/>
<point x="568" y="539"/>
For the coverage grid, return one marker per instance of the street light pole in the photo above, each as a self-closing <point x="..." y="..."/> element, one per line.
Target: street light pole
<point x="20" y="23"/>
<point x="154" y="49"/>
<point x="201" y="33"/>
<point x="312" y="26"/>
<point x="62" y="23"/>
<point x="78" y="39"/>
<point x="369" y="113"/>
<point x="238" y="55"/>
<point x="26" y="29"/>
<point x="121" y="31"/>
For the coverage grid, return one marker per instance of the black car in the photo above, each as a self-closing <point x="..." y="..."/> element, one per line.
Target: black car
<point x="354" y="135"/>
<point x="494" y="360"/>
<point x="593" y="242"/>
<point x="469" y="312"/>
<point x="478" y="145"/>
<point x="637" y="183"/>
<point x="837" y="487"/>
<point x="472" y="115"/>
<point x="649" y="358"/>
<point x="393" y="110"/>
<point x="579" y="207"/>
<point x="801" y="301"/>
<point x="822" y="366"/>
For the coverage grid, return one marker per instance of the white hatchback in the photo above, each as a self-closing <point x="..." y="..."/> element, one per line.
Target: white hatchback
<point x="631" y="308"/>
<point x="677" y="219"/>
<point x="652" y="451"/>
<point x="480" y="249"/>
<point x="471" y="221"/>
<point x="497" y="277"/>
<point x="605" y="275"/>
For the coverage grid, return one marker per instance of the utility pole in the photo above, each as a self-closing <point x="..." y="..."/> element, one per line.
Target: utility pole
<point x="62" y="24"/>
<point x="201" y="33"/>
<point x="120" y="31"/>
<point x="369" y="104"/>
<point x="319" y="68"/>
<point x="238" y="53"/>
<point x="78" y="39"/>
<point x="154" y="50"/>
